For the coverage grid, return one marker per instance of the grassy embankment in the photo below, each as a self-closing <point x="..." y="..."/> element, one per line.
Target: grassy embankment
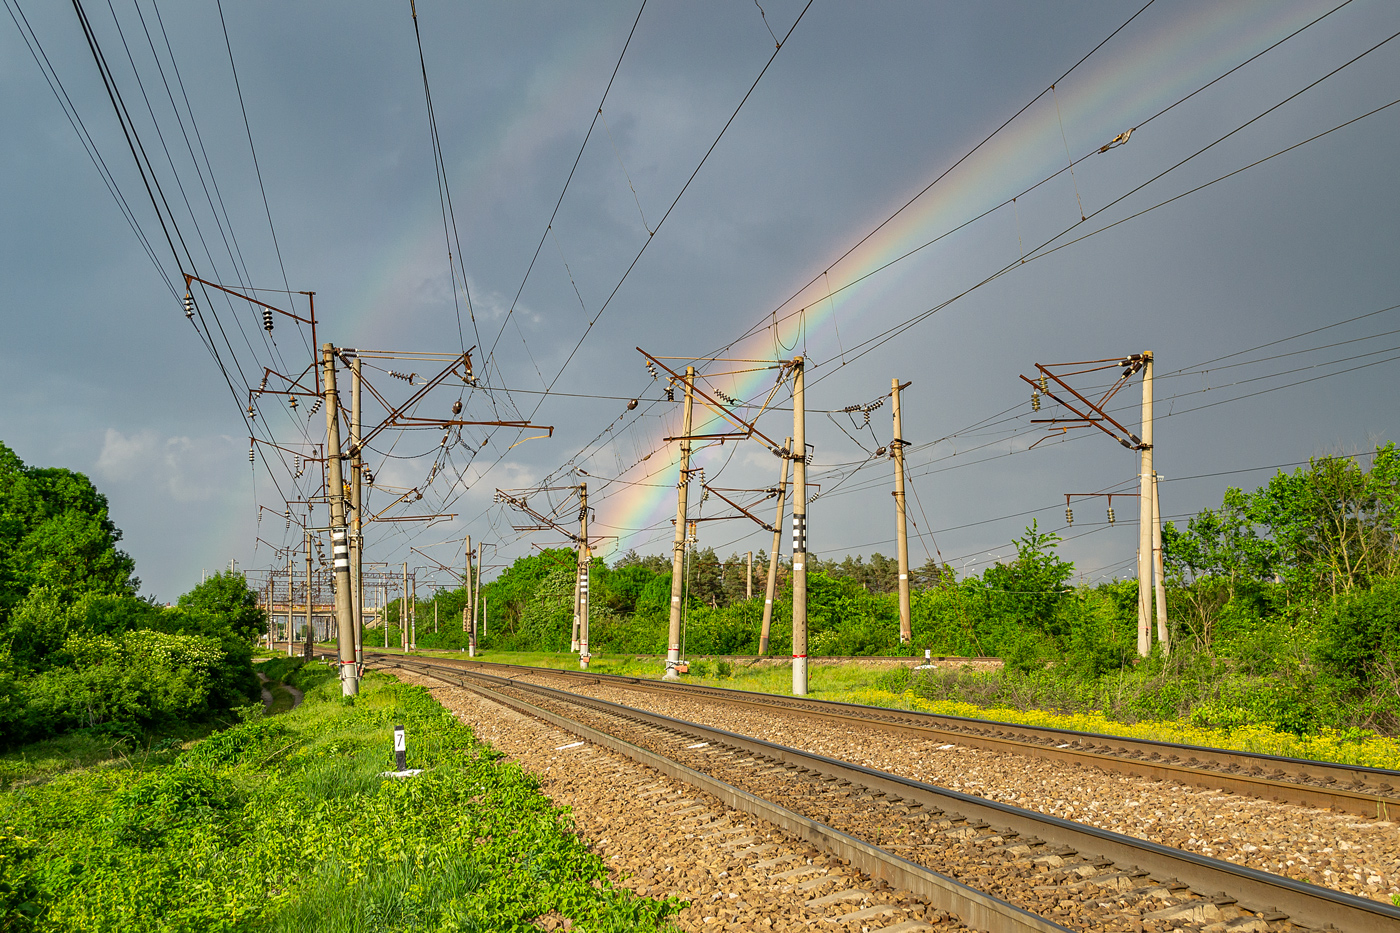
<point x="285" y="823"/>
<point x="854" y="683"/>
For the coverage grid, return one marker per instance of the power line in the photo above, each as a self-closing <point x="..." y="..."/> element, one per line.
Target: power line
<point x="1149" y="119"/>
<point x="568" y="180"/>
<point x="941" y="176"/>
<point x="218" y="4"/>
<point x="75" y="120"/>
<point x="444" y="194"/>
<point x="1045" y="249"/>
<point x="676" y="201"/>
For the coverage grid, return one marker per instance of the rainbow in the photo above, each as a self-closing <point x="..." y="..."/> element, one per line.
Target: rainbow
<point x="1131" y="78"/>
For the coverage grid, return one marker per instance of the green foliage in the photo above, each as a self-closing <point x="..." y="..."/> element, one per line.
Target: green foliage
<point x="222" y="606"/>
<point x="286" y="824"/>
<point x="122" y="667"/>
<point x="55" y="533"/>
<point x="1029" y="591"/>
<point x="79" y="649"/>
<point x="623" y="588"/>
<point x="398" y="895"/>
<point x="20" y="898"/>
<point x="1362" y="630"/>
<point x="121" y="685"/>
<point x="1327" y="529"/>
<point x="1359" y="642"/>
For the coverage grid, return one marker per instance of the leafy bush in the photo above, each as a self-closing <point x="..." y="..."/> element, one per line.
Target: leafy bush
<point x="20" y="896"/>
<point x="135" y="680"/>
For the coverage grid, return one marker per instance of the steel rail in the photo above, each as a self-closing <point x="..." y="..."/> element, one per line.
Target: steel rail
<point x="1258" y="891"/>
<point x="981" y="910"/>
<point x="1373" y="793"/>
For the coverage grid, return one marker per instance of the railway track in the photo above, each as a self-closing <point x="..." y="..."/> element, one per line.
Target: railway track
<point x="997" y="866"/>
<point x="1373" y="793"/>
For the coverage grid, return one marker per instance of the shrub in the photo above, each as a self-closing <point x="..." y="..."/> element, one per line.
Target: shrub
<point x="135" y="680"/>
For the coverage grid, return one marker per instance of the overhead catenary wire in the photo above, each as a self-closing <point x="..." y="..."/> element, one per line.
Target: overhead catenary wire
<point x="1012" y="200"/>
<point x="676" y="200"/>
<point x="1213" y="81"/>
<point x="449" y="216"/>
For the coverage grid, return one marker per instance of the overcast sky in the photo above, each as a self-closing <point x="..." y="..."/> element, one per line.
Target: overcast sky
<point x="862" y="108"/>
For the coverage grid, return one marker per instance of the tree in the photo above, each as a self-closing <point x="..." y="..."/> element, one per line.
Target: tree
<point x="1030" y="589"/>
<point x="55" y="532"/>
<point x="1331" y="527"/>
<point x="1335" y="524"/>
<point x="735" y="574"/>
<point x="222" y="605"/>
<point x="704" y="584"/>
<point x="653" y="562"/>
<point x="620" y="589"/>
<point x="932" y="575"/>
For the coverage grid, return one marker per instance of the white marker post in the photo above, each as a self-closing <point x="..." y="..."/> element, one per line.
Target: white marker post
<point x="400" y="749"/>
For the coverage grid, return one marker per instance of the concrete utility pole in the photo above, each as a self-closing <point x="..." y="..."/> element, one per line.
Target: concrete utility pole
<point x="673" y="631"/>
<point x="310" y="628"/>
<point x="472" y="617"/>
<point x="413" y="614"/>
<point x="1144" y="564"/>
<point x="799" y="531"/>
<point x="403" y="611"/>
<point x="578" y="577"/>
<point x="584" y="558"/>
<point x="340" y="552"/>
<point x="469" y="608"/>
<point x="901" y="531"/>
<point x="479" y="598"/>
<point x="1158" y="570"/>
<point x="772" y="586"/>
<point x="383" y="614"/>
<point x="290" y="626"/>
<point x="357" y="539"/>
<point x="748" y="580"/>
<point x="573" y="639"/>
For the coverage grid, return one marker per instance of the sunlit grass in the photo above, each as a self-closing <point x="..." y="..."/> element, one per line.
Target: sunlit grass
<point x="41" y="761"/>
<point x="288" y="823"/>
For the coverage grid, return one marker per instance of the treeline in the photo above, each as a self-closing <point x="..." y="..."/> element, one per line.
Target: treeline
<point x="80" y="650"/>
<point x="1283" y="604"/>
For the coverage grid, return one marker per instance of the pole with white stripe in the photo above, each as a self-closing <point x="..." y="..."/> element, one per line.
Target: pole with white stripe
<point x="340" y="548"/>
<point x="583" y="576"/>
<point x="799" y="532"/>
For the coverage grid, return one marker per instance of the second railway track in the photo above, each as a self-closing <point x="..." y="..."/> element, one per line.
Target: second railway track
<point x="1373" y="793"/>
<point x="1083" y="876"/>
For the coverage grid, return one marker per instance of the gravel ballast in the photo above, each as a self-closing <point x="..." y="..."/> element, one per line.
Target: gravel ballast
<point x="662" y="838"/>
<point x="1341" y="851"/>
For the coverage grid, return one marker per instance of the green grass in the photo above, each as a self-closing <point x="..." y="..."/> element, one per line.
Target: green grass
<point x="44" y="760"/>
<point x="824" y="681"/>
<point x="286" y="823"/>
<point x="282" y="698"/>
